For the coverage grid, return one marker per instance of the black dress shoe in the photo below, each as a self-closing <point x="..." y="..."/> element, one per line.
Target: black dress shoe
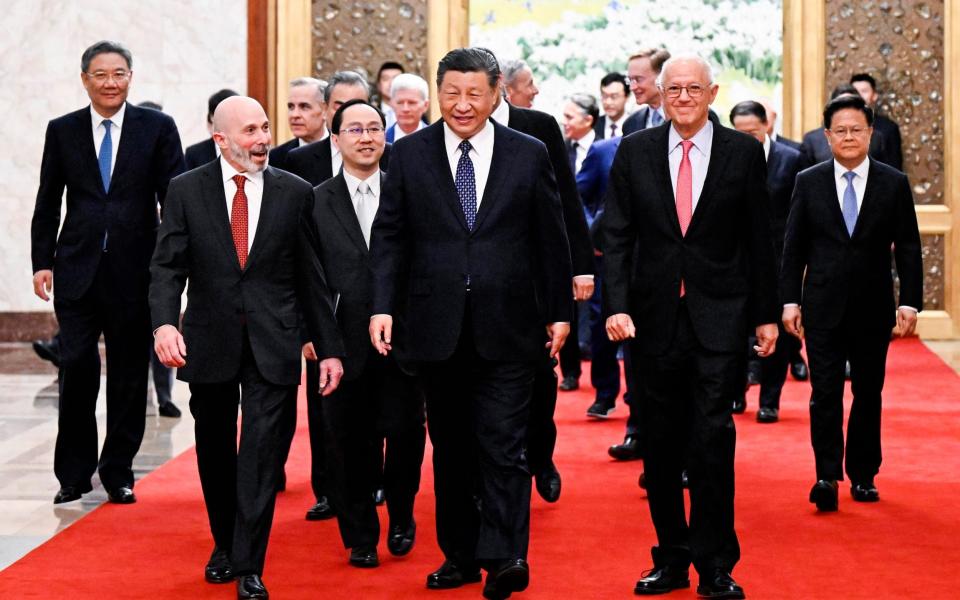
<point x="661" y="580"/>
<point x="48" y="350"/>
<point x="451" y="575"/>
<point x="740" y="405"/>
<point x="569" y="383"/>
<point x="601" y="410"/>
<point x="864" y="491"/>
<point x="628" y="450"/>
<point x="799" y="371"/>
<point x="321" y="511"/>
<point x="846" y="371"/>
<point x="169" y="409"/>
<point x="642" y="481"/>
<point x="768" y="415"/>
<point x="69" y="493"/>
<point x="379" y="497"/>
<point x="219" y="569"/>
<point x="720" y="585"/>
<point x="512" y="576"/>
<point x="121" y="495"/>
<point x="824" y="495"/>
<point x="548" y="484"/>
<point x="364" y="557"/>
<point x="400" y="539"/>
<point x="251" y="586"/>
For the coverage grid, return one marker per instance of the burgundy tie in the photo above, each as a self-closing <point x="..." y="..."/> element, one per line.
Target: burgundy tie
<point x="685" y="194"/>
<point x="238" y="220"/>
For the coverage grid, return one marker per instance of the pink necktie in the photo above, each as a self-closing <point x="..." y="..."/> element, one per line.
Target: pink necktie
<point x="685" y="194"/>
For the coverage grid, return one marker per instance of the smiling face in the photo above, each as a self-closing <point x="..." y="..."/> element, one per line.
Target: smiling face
<point x="689" y="112"/>
<point x="466" y="101"/>
<point x="242" y="131"/>
<point x="361" y="153"/>
<point x="107" y="82"/>
<point x="522" y="90"/>
<point x="643" y="82"/>
<point x="575" y="123"/>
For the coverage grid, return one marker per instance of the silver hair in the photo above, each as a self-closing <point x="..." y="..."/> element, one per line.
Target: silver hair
<point x="511" y="68"/>
<point x="686" y="58"/>
<point x="351" y="78"/>
<point x="409" y="81"/>
<point x="319" y="85"/>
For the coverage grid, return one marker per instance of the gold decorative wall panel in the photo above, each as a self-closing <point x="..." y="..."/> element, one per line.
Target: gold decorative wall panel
<point x="933" y="272"/>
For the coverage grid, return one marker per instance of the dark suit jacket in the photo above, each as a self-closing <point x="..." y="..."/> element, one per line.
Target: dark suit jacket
<point x="849" y="277"/>
<point x="725" y="260"/>
<point x="312" y="162"/>
<point x="788" y="142"/>
<point x="282" y="280"/>
<point x="200" y="153"/>
<point x="893" y="145"/>
<point x="148" y="156"/>
<point x="592" y="183"/>
<point x="815" y="148"/>
<point x="544" y="127"/>
<point x="637" y="121"/>
<point x="278" y="156"/>
<point x="517" y="255"/>
<point x="783" y="164"/>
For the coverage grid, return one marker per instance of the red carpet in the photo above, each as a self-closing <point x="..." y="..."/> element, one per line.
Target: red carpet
<point x="593" y="543"/>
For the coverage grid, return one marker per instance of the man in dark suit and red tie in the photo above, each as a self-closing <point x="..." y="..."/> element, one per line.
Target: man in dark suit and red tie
<point x="239" y="231"/>
<point x="689" y="271"/>
<point x="847" y="213"/>
<point x="115" y="161"/>
<point x="469" y="246"/>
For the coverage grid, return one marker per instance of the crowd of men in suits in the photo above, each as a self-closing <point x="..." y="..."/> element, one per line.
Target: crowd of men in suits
<point x="429" y="275"/>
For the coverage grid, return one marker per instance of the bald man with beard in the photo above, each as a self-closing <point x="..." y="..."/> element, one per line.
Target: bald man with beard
<point x="240" y="232"/>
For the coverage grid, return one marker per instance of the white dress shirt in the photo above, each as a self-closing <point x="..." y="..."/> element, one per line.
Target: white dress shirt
<point x="766" y="147"/>
<point x="398" y="132"/>
<point x="699" y="158"/>
<point x="253" y="189"/>
<point x="501" y="114"/>
<point x="481" y="154"/>
<point x="859" y="182"/>
<point x="619" y="123"/>
<point x="100" y="132"/>
<point x="336" y="160"/>
<point x="368" y="210"/>
<point x="388" y="114"/>
<point x="583" y="146"/>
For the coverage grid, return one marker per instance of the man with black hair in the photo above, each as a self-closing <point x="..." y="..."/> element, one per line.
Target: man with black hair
<point x="815" y="148"/>
<point x="614" y="91"/>
<point x="837" y="291"/>
<point x="866" y="86"/>
<point x="385" y="75"/>
<point x="206" y="151"/>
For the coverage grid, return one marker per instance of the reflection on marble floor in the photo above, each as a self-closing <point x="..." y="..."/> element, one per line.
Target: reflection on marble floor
<point x="28" y="428"/>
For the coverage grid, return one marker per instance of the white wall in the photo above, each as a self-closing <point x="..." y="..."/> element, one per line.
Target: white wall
<point x="183" y="51"/>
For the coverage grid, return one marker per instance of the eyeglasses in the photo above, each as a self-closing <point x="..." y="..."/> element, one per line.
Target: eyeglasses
<point x="694" y="90"/>
<point x="842" y="132"/>
<point x="637" y="79"/>
<point x="359" y="131"/>
<point x="119" y="76"/>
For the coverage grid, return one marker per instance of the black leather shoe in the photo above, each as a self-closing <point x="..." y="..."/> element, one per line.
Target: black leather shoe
<point x="364" y="557"/>
<point x="753" y="378"/>
<point x="824" y="495"/>
<point x="121" y="495"/>
<point x="628" y="450"/>
<point x="740" y="405"/>
<point x="642" y="481"/>
<point x="846" y="371"/>
<point x="219" y="569"/>
<point x="601" y="410"/>
<point x="864" y="491"/>
<point x="69" y="493"/>
<point x="720" y="585"/>
<point x="548" y="484"/>
<point x="512" y="576"/>
<point x="251" y="586"/>
<point x="48" y="350"/>
<point x="400" y="539"/>
<point x="799" y="371"/>
<point x="321" y="511"/>
<point x="661" y="580"/>
<point x="569" y="383"/>
<point x="451" y="575"/>
<point x="379" y="497"/>
<point x="768" y="415"/>
<point x="169" y="409"/>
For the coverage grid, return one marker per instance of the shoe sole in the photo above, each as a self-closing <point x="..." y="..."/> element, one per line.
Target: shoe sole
<point x="364" y="564"/>
<point x="649" y="592"/>
<point x="721" y="595"/>
<point x="311" y="517"/>
<point x="605" y="415"/>
<point x="824" y="503"/>
<point x="767" y="419"/>
<point x="513" y="579"/>
<point x="473" y="578"/>
<point x="219" y="580"/>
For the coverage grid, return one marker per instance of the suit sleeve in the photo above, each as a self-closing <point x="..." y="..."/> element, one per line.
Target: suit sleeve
<point x="619" y="234"/>
<point x="171" y="258"/>
<point x="763" y="271"/>
<point x="588" y="180"/>
<point x="314" y="295"/>
<point x="389" y="244"/>
<point x="795" y="244"/>
<point x="906" y="249"/>
<point x="552" y="244"/>
<point x="46" y="212"/>
<point x="169" y="158"/>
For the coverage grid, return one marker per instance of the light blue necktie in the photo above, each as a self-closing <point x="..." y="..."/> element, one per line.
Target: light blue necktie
<point x="467" y="184"/>
<point x="850" y="203"/>
<point x="655" y="118"/>
<point x="106" y="156"/>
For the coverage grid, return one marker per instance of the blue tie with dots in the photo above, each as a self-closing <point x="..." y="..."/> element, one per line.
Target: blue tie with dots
<point x="106" y="156"/>
<point x="467" y="184"/>
<point x="850" y="203"/>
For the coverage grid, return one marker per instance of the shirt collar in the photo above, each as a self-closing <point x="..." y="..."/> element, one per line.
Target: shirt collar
<point x="116" y="120"/>
<point x="482" y="141"/>
<point x="767" y="142"/>
<point x="702" y="140"/>
<point x="860" y="170"/>
<point x="501" y="114"/>
<point x="587" y="139"/>
<point x="229" y="172"/>
<point x="353" y="183"/>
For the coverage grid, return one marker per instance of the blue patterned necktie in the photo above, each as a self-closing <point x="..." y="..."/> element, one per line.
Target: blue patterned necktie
<point x="850" y="203"/>
<point x="655" y="118"/>
<point x="467" y="184"/>
<point x="106" y="156"/>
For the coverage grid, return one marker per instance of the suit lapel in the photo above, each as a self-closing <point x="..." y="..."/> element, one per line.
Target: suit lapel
<point x="88" y="150"/>
<point x="660" y="163"/>
<point x="272" y="185"/>
<point x="499" y="165"/>
<point x="438" y="164"/>
<point x="719" y="157"/>
<point x="129" y="140"/>
<point x="342" y="207"/>
<point x="833" y="202"/>
<point x="212" y="195"/>
<point x="869" y="199"/>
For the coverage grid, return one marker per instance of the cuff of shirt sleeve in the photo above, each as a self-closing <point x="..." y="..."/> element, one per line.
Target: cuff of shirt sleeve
<point x="791" y="305"/>
<point x="590" y="276"/>
<point x="909" y="308"/>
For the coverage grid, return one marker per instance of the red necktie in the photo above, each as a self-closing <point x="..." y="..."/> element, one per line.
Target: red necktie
<point x="685" y="194"/>
<point x="238" y="220"/>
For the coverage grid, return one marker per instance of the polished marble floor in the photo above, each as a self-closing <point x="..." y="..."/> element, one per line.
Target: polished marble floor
<point x="28" y="426"/>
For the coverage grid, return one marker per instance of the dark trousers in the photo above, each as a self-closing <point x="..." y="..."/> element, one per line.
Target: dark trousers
<point x="477" y="415"/>
<point x="828" y="350"/>
<point x="773" y="368"/>
<point x="570" y="353"/>
<point x="687" y="397"/>
<point x="382" y="403"/>
<point x="315" y="424"/>
<point x="604" y="366"/>
<point x="125" y="325"/>
<point x="542" y="431"/>
<point x="240" y="485"/>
